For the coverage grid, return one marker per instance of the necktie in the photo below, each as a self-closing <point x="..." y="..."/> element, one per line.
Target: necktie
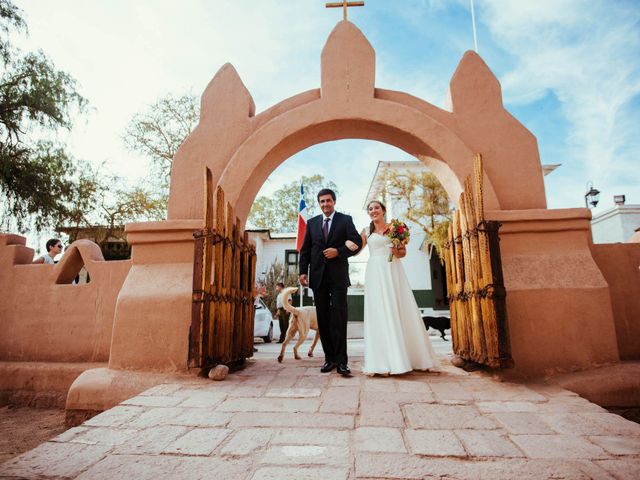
<point x="325" y="228"/>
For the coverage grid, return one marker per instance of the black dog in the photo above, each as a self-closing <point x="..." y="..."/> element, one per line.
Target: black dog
<point x="438" y="323"/>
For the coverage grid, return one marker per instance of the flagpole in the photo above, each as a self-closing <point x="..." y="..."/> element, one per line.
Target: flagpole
<point x="301" y="287"/>
<point x="473" y="24"/>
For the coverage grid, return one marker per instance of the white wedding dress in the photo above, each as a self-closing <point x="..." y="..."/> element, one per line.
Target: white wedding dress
<point x="395" y="338"/>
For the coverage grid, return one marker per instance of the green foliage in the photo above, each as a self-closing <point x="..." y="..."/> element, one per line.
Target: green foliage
<point x="131" y="205"/>
<point x="275" y="274"/>
<point x="104" y="203"/>
<point x="36" y="174"/>
<point x="9" y="18"/>
<point x="158" y="132"/>
<point x="427" y="203"/>
<point x="279" y="212"/>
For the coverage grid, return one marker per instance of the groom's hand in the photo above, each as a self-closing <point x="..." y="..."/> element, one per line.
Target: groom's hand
<point x="303" y="280"/>
<point x="330" y="253"/>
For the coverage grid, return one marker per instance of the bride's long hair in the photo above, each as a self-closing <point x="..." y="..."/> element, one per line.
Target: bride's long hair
<point x="372" y="227"/>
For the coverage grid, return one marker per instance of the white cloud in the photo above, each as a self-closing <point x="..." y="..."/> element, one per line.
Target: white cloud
<point x="587" y="53"/>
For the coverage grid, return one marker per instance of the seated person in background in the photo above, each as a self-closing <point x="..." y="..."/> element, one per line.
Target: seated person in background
<point x="54" y="248"/>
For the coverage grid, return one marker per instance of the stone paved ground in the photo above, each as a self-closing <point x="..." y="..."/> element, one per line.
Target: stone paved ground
<point x="280" y="421"/>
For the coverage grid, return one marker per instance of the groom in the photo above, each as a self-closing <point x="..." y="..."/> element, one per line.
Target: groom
<point x="324" y="255"/>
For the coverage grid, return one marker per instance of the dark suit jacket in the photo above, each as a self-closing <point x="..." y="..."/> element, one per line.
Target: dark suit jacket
<point x="336" y="270"/>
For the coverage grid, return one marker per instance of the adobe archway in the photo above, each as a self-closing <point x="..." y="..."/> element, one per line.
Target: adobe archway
<point x="555" y="290"/>
<point x="243" y="149"/>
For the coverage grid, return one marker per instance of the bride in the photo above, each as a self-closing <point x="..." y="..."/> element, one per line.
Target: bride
<point x="395" y="338"/>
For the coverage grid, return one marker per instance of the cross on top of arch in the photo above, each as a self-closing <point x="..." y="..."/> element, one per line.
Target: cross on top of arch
<point x="344" y="4"/>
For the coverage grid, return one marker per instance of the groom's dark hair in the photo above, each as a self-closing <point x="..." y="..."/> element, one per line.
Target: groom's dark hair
<point x="327" y="191"/>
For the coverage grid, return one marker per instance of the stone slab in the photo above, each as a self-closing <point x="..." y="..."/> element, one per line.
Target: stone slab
<point x="341" y="400"/>
<point x="169" y="467"/>
<point x="199" y="441"/>
<point x="317" y="420"/>
<point x="151" y="441"/>
<point x="105" y="436"/>
<point x="312" y="436"/>
<point x="515" y="406"/>
<point x="626" y="469"/>
<point x="618" y="445"/>
<point x="523" y="422"/>
<point x="446" y="417"/>
<point x="558" y="446"/>
<point x="153" y="401"/>
<point x="379" y="439"/>
<point x="154" y="417"/>
<point x="118" y="415"/>
<point x="306" y="455"/>
<point x="435" y="443"/>
<point x="201" y="417"/>
<point x="298" y="392"/>
<point x="488" y="443"/>
<point x="248" y="441"/>
<point x="54" y="460"/>
<point x="405" y="466"/>
<point x="203" y="399"/>
<point x="292" y="405"/>
<point x="381" y="413"/>
<point x="300" y="473"/>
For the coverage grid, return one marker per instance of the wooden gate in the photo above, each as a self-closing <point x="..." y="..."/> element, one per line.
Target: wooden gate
<point x="474" y="280"/>
<point x="223" y="286"/>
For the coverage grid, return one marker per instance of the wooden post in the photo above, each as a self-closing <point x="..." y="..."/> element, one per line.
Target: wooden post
<point x="497" y="296"/>
<point x="248" y="254"/>
<point x="198" y="299"/>
<point x="476" y="272"/>
<point x="201" y="279"/>
<point x="449" y="274"/>
<point x="226" y="340"/>
<point x="236" y="293"/>
<point x="252" y="286"/>
<point x="463" y="331"/>
<point x="217" y="306"/>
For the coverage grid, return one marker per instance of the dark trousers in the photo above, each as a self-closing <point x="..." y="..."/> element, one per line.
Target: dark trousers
<point x="331" y="308"/>
<point x="283" y="321"/>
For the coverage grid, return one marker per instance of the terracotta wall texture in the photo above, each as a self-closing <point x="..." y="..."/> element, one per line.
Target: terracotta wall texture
<point x="45" y="318"/>
<point x="620" y="266"/>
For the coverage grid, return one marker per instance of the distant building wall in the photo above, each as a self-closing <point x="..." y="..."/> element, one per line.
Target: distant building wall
<point x="616" y="225"/>
<point x="270" y="248"/>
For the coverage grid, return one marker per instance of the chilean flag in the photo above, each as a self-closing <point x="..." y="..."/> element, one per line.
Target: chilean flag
<point x="302" y="220"/>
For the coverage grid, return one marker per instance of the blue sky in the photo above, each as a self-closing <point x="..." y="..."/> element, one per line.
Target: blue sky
<point x="569" y="69"/>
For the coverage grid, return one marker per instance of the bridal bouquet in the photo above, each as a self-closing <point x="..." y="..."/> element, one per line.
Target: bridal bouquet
<point x="399" y="234"/>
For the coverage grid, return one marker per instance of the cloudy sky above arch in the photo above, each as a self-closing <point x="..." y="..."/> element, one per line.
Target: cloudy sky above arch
<point x="570" y="72"/>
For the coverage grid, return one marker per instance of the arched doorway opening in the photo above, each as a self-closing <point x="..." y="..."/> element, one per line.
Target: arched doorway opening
<point x="259" y="156"/>
<point x="361" y="171"/>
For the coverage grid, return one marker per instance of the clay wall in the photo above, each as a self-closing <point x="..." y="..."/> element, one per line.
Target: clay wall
<point x="559" y="311"/>
<point x="620" y="266"/>
<point x="45" y="318"/>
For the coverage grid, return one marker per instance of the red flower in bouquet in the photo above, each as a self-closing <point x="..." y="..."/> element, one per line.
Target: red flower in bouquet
<point x="399" y="234"/>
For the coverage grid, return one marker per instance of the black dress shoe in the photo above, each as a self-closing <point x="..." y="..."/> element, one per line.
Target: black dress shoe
<point x="343" y="370"/>
<point x="327" y="367"/>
